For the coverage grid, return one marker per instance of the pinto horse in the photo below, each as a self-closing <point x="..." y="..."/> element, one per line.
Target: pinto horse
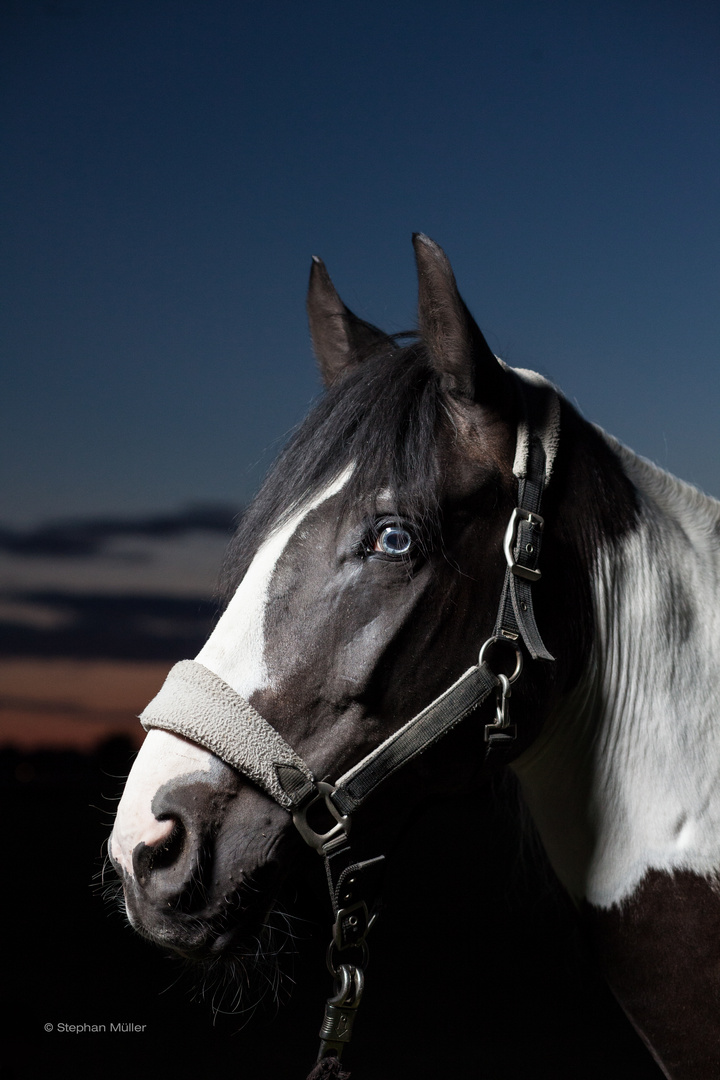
<point x="436" y="505"/>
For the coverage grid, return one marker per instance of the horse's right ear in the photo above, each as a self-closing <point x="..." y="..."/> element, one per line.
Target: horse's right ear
<point x="462" y="357"/>
<point x="340" y="339"/>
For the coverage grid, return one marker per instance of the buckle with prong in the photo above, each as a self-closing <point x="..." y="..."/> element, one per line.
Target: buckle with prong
<point x="518" y="515"/>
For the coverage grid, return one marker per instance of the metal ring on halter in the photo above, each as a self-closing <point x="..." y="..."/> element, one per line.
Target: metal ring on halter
<point x="518" y="656"/>
<point x="333" y="951"/>
<point x="351" y="981"/>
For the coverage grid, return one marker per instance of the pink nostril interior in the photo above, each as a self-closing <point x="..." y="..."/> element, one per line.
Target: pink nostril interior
<point x="156" y="832"/>
<point x="163" y="759"/>
<point x="138" y="829"/>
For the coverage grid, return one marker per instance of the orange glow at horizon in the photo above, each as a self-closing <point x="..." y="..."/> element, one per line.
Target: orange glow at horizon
<point x="74" y="704"/>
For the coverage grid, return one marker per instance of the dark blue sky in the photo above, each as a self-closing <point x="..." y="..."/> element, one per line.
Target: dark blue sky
<point x="169" y="167"/>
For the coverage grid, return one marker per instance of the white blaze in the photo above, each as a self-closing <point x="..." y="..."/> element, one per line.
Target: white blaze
<point x="236" y="652"/>
<point x="163" y="757"/>
<point x="236" y="648"/>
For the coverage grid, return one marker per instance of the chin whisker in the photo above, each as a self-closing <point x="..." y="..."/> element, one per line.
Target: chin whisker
<point x="253" y="973"/>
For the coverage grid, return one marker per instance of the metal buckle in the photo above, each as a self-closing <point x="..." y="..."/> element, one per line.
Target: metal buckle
<point x="510" y="540"/>
<point x="322" y="841"/>
<point x="351" y="925"/>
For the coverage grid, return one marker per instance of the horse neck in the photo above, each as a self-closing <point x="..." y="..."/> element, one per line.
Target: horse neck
<point x="623" y="777"/>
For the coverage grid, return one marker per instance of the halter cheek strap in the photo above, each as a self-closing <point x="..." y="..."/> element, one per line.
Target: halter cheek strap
<point x="199" y="705"/>
<point x="536" y="448"/>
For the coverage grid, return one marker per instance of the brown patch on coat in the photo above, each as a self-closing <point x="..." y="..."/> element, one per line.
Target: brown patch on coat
<point x="659" y="952"/>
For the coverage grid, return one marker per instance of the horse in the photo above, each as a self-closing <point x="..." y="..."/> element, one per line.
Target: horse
<point x="448" y="574"/>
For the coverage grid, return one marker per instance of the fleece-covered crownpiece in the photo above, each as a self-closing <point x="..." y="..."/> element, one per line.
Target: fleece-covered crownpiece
<point x="541" y="415"/>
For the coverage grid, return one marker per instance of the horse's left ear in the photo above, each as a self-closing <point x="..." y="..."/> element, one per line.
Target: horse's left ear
<point x="458" y="349"/>
<point x="340" y="339"/>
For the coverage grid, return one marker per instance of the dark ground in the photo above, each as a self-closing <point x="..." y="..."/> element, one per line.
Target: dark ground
<point x="499" y="986"/>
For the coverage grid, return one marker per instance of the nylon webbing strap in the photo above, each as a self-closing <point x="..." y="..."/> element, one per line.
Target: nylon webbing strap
<point x="470" y="691"/>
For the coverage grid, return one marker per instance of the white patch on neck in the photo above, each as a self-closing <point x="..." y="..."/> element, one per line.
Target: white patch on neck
<point x="236" y="648"/>
<point x="626" y="777"/>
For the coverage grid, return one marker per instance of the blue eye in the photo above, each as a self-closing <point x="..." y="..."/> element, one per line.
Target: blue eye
<point x="394" y="540"/>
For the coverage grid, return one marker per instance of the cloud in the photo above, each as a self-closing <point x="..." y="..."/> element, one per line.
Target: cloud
<point x="88" y="537"/>
<point x="106" y="625"/>
<point x="135" y="588"/>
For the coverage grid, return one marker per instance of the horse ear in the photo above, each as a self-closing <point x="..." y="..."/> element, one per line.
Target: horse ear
<point x="340" y="339"/>
<point x="457" y="346"/>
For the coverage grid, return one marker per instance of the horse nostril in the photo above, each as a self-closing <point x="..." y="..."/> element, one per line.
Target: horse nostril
<point x="162" y="852"/>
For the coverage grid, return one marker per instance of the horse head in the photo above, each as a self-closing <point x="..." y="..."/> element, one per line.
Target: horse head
<point x="361" y="585"/>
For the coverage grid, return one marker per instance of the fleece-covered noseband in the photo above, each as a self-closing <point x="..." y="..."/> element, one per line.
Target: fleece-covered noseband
<point x="197" y="704"/>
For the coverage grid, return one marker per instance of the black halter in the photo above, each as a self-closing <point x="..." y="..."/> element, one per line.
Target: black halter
<point x="197" y="704"/>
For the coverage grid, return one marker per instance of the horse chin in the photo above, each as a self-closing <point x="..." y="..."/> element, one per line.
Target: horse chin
<point x="228" y="925"/>
<point x="238" y="959"/>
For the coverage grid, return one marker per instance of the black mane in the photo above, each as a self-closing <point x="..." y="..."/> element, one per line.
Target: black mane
<point x="385" y="416"/>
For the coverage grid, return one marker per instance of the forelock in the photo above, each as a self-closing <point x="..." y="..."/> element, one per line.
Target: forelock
<point x="384" y="418"/>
